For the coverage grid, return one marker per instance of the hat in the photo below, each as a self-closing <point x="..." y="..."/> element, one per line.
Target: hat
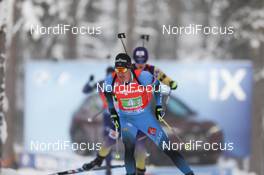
<point x="140" y="55"/>
<point x="123" y="60"/>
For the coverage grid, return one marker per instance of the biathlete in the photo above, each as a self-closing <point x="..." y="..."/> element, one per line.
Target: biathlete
<point x="140" y="56"/>
<point x="109" y="129"/>
<point x="110" y="135"/>
<point x="130" y="88"/>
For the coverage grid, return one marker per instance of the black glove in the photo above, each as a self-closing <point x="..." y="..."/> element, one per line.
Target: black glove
<point x="96" y="162"/>
<point x="87" y="88"/>
<point x="159" y="113"/>
<point x="115" y="119"/>
<point x="173" y="85"/>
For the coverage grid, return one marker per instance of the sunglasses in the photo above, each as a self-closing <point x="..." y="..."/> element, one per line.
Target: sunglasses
<point x="121" y="69"/>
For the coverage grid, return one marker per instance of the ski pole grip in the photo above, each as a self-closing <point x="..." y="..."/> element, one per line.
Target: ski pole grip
<point x="121" y="35"/>
<point x="145" y="37"/>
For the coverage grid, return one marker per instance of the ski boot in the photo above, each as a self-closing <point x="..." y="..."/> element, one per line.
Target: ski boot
<point x="141" y="171"/>
<point x="96" y="162"/>
<point x="108" y="164"/>
<point x="108" y="171"/>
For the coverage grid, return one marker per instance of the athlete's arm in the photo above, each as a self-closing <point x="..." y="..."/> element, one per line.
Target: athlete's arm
<point x="108" y="91"/>
<point x="88" y="88"/>
<point x="161" y="76"/>
<point x="146" y="79"/>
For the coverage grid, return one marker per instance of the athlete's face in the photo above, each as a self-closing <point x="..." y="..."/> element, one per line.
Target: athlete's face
<point x="140" y="66"/>
<point x="123" y="74"/>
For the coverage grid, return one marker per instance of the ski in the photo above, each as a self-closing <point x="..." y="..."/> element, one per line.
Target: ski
<point x="80" y="170"/>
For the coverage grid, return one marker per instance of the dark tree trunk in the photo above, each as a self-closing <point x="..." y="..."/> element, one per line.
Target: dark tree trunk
<point x="2" y="81"/>
<point x="257" y="157"/>
<point x="10" y="79"/>
<point x="130" y="24"/>
<point x="71" y="52"/>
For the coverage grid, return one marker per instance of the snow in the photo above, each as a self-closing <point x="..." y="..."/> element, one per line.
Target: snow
<point x="31" y="17"/>
<point x="73" y="161"/>
<point x="4" y="102"/>
<point x="81" y="8"/>
<point x="150" y="170"/>
<point x="249" y="23"/>
<point x="3" y="128"/>
<point x="2" y="13"/>
<point x="254" y="43"/>
<point x="259" y="75"/>
<point x="28" y="171"/>
<point x="9" y="172"/>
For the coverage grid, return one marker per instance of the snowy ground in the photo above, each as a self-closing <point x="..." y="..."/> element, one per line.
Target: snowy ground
<point x="45" y="165"/>
<point x="152" y="171"/>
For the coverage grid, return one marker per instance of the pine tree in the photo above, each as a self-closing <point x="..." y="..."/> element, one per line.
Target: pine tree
<point x="2" y="73"/>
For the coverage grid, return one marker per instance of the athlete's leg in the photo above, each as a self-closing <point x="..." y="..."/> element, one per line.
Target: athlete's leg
<point x="151" y="127"/>
<point x="109" y="141"/>
<point x="141" y="153"/>
<point x="129" y="133"/>
<point x="108" y="160"/>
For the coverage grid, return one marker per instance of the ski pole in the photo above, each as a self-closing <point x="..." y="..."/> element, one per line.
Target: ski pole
<point x="121" y="36"/>
<point x="171" y="129"/>
<point x="144" y="38"/>
<point x="91" y="119"/>
<point x="80" y="170"/>
<point x="167" y="101"/>
<point x="117" y="154"/>
<point x="166" y="124"/>
<point x="161" y="119"/>
<point x="164" y="121"/>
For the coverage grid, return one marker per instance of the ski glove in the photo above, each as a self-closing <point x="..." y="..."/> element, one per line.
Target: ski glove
<point x="159" y="113"/>
<point x="96" y="162"/>
<point x="87" y="88"/>
<point x="115" y="118"/>
<point x="173" y="85"/>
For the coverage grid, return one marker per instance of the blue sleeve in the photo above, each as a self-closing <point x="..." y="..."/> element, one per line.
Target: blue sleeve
<point x="146" y="78"/>
<point x="108" y="91"/>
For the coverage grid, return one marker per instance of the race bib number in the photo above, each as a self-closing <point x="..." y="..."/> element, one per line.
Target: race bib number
<point x="131" y="103"/>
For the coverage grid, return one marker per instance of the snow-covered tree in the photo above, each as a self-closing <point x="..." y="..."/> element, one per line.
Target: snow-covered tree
<point x="3" y="24"/>
<point x="88" y="13"/>
<point x="98" y="13"/>
<point x="44" y="13"/>
<point x="150" y="16"/>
